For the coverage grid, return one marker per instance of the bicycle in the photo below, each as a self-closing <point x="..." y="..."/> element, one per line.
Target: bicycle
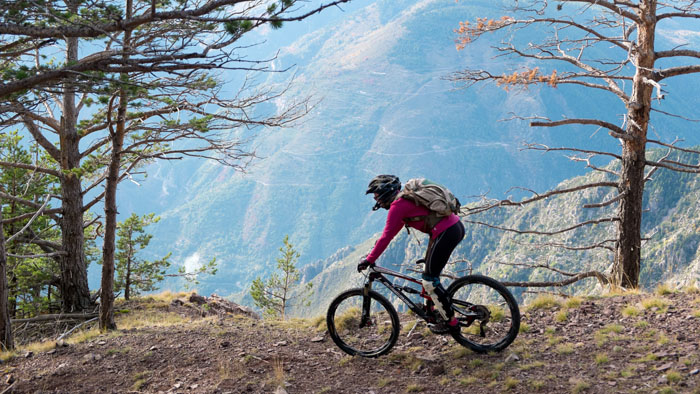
<point x="363" y="322"/>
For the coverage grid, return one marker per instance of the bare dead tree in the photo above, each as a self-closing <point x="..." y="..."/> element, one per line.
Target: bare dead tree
<point x="631" y="68"/>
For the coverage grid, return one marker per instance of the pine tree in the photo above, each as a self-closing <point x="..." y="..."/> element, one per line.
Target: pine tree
<point x="135" y="275"/>
<point x="279" y="292"/>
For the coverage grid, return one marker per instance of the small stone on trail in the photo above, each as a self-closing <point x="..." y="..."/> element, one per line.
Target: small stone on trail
<point x="694" y="372"/>
<point x="280" y="390"/>
<point x="280" y="343"/>
<point x="512" y="358"/>
<point x="429" y="358"/>
<point x="317" y="339"/>
<point x="92" y="357"/>
<point x="60" y="369"/>
<point x="177" y="302"/>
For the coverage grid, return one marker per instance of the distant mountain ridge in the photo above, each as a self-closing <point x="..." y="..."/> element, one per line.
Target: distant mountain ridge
<point x="384" y="107"/>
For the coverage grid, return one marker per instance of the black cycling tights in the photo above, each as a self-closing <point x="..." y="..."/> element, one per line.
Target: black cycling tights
<point x="442" y="247"/>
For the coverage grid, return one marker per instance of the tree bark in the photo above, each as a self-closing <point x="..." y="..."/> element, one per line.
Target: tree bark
<point x="626" y="266"/>
<point x="6" y="339"/>
<point x="127" y="281"/>
<point x="75" y="292"/>
<point x="107" y="296"/>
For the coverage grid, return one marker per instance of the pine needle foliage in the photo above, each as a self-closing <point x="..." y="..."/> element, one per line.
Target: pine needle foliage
<point x="281" y="290"/>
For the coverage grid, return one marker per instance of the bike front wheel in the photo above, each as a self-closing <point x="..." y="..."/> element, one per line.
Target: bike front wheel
<point x="363" y="325"/>
<point x="488" y="315"/>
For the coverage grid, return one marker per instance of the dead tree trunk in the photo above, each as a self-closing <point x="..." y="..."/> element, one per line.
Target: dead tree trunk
<point x="626" y="266"/>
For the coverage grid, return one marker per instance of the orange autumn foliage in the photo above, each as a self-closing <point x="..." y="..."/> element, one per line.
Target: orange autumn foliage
<point x="526" y="78"/>
<point x="468" y="31"/>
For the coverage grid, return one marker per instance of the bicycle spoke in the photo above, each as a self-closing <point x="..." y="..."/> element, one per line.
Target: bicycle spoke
<point x="488" y="315"/>
<point x="375" y="336"/>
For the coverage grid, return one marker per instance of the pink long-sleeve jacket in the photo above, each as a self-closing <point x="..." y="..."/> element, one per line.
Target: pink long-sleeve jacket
<point x="402" y="209"/>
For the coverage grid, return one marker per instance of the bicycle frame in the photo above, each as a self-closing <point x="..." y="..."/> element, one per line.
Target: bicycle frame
<point x="466" y="314"/>
<point x="377" y="274"/>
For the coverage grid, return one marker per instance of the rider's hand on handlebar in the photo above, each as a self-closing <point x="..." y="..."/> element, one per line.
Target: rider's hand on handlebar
<point x="363" y="264"/>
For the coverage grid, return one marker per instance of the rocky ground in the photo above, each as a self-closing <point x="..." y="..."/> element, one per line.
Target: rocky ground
<point x="646" y="343"/>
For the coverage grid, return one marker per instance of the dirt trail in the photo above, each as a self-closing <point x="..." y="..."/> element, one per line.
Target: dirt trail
<point x="622" y="344"/>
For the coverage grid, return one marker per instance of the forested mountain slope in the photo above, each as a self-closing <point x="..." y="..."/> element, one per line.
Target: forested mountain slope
<point x="383" y="106"/>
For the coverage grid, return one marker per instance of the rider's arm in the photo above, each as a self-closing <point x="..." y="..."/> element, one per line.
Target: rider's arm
<point x="394" y="223"/>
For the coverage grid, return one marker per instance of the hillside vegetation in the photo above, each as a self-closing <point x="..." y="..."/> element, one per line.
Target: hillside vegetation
<point x="631" y="343"/>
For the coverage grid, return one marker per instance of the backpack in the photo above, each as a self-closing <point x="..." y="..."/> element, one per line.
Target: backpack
<point x="437" y="198"/>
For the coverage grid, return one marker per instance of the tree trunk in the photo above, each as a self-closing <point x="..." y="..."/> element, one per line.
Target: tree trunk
<point x="626" y="267"/>
<point x="75" y="292"/>
<point x="127" y="281"/>
<point x="107" y="296"/>
<point x="6" y="340"/>
<point x="625" y="271"/>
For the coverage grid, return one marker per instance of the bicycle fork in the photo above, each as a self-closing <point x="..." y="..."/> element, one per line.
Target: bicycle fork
<point x="365" y="319"/>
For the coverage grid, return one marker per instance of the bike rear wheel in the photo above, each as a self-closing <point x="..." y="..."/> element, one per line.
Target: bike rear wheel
<point x="360" y="325"/>
<point x="488" y="315"/>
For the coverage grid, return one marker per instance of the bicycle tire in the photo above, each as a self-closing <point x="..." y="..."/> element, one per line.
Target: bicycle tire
<point x="487" y="311"/>
<point x="376" y="337"/>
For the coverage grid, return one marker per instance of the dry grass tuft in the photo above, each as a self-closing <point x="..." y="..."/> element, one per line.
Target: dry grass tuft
<point x="655" y="303"/>
<point x="573" y="302"/>
<point x="580" y="386"/>
<point x="140" y="380"/>
<point x="278" y="376"/>
<point x="544" y="301"/>
<point x="630" y="311"/>
<point x="664" y="289"/>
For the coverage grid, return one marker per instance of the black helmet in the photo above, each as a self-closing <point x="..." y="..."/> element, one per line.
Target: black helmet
<point x="386" y="187"/>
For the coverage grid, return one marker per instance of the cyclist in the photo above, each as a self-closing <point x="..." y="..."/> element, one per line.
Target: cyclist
<point x="444" y="237"/>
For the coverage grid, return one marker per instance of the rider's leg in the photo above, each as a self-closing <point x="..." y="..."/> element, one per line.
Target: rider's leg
<point x="436" y="259"/>
<point x="439" y="296"/>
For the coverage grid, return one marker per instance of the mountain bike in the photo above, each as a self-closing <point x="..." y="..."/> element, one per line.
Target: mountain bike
<point x="363" y="322"/>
